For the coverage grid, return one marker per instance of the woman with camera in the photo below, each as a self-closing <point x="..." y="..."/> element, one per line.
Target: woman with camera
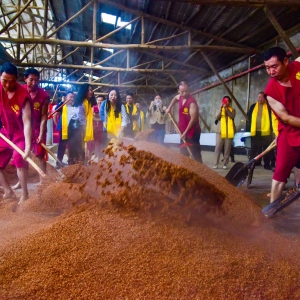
<point x="225" y="130"/>
<point x="157" y="118"/>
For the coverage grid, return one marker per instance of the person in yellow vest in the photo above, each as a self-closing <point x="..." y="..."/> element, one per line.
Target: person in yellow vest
<point x="132" y="113"/>
<point x="115" y="116"/>
<point x="225" y="130"/>
<point x="85" y="97"/>
<point x="260" y="128"/>
<point x="72" y="124"/>
<point x="63" y="126"/>
<point x="141" y="119"/>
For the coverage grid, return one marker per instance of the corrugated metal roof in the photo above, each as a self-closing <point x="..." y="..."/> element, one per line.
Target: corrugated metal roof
<point x="166" y="23"/>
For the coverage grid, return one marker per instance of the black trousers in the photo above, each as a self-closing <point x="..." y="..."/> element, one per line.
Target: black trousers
<point x="76" y="149"/>
<point x="61" y="147"/>
<point x="195" y="148"/>
<point x="259" y="143"/>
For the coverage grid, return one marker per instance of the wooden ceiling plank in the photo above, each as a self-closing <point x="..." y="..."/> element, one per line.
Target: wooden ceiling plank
<point x="281" y="32"/>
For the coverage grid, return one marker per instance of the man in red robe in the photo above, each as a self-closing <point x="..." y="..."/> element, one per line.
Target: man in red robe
<point x="15" y="113"/>
<point x="188" y="120"/>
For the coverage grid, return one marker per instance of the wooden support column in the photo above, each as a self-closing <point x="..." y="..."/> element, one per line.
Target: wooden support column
<point x="92" y="63"/>
<point x="95" y="22"/>
<point x="281" y="32"/>
<point x="19" y="32"/>
<point x="94" y="37"/>
<point x="55" y="54"/>
<point x="189" y="38"/>
<point x="224" y="84"/>
<point x="248" y="85"/>
<point x="128" y="59"/>
<point x="45" y="19"/>
<point x="143" y="31"/>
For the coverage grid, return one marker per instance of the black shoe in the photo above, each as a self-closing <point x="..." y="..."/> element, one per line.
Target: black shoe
<point x="268" y="168"/>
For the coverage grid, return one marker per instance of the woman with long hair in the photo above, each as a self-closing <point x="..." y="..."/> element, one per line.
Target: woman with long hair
<point x="115" y="118"/>
<point x="73" y="124"/>
<point x="86" y="98"/>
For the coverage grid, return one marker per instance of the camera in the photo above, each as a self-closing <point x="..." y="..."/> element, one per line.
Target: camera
<point x="225" y="101"/>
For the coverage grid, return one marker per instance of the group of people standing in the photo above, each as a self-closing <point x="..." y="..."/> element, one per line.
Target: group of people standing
<point x="86" y="124"/>
<point x="276" y="113"/>
<point x="261" y="124"/>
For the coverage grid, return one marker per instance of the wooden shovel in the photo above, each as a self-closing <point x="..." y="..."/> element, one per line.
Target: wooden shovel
<point x="237" y="172"/>
<point x="32" y="163"/>
<point x="178" y="130"/>
<point x="52" y="154"/>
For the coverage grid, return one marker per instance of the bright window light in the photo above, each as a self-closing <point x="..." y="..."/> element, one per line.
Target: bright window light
<point x="109" y="50"/>
<point x="110" y="19"/>
<point x="94" y="77"/>
<point x="87" y="63"/>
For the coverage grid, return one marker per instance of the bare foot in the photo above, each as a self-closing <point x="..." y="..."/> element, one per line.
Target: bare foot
<point x="16" y="186"/>
<point x="9" y="196"/>
<point x="23" y="198"/>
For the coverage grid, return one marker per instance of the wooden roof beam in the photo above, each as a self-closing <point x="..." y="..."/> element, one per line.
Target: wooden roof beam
<point x="130" y="46"/>
<point x="105" y="84"/>
<point x="281" y="32"/>
<point x="67" y="66"/>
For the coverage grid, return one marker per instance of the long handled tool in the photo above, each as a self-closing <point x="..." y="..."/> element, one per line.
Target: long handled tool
<point x="283" y="201"/>
<point x="32" y="163"/>
<point x="178" y="130"/>
<point x="52" y="154"/>
<point x="236" y="176"/>
<point x="57" y="109"/>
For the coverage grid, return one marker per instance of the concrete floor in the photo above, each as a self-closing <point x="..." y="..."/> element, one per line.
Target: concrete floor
<point x="261" y="181"/>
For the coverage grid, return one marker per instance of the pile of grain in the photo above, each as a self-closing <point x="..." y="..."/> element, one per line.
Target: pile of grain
<point x="138" y="225"/>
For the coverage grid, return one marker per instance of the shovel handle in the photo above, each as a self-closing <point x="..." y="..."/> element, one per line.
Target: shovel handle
<point x="56" y="110"/>
<point x="253" y="160"/>
<point x="52" y="154"/>
<point x="15" y="147"/>
<point x="178" y="130"/>
<point x="270" y="147"/>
